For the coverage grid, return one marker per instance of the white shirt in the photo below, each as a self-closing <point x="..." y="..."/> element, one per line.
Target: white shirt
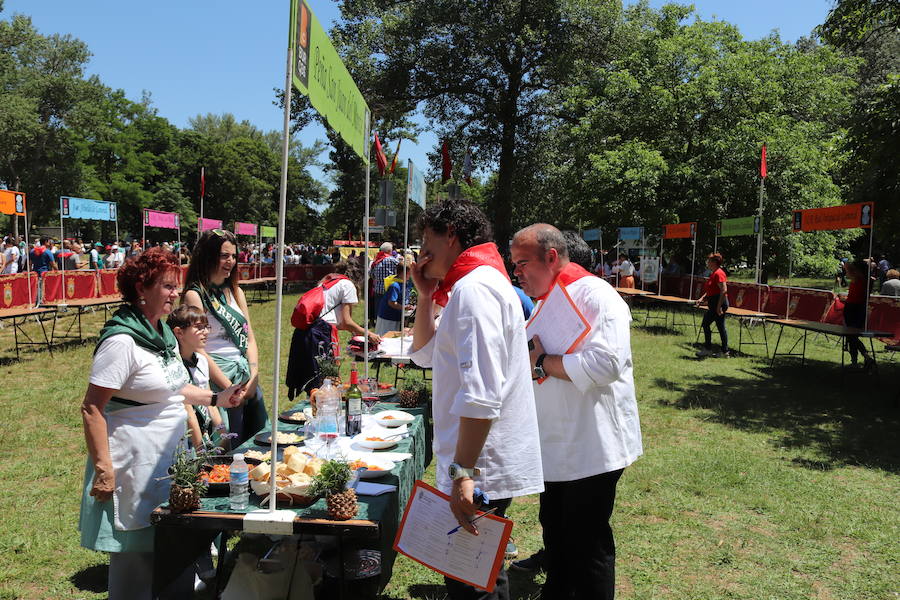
<point x="590" y="425"/>
<point x="95" y="258"/>
<point x="343" y="292"/>
<point x="625" y="269"/>
<point x="479" y="354"/>
<point x="11" y="256"/>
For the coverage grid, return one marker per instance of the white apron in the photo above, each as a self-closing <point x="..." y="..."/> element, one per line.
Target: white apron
<point x="142" y="443"/>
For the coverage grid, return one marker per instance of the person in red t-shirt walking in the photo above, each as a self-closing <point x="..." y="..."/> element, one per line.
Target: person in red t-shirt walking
<point x="714" y="292"/>
<point x="859" y="272"/>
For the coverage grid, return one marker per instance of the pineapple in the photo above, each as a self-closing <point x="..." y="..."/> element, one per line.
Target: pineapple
<point x="187" y="487"/>
<point x="332" y="483"/>
<point x="413" y="393"/>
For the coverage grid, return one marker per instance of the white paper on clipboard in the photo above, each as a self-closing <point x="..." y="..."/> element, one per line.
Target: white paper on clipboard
<point x="423" y="537"/>
<point x="558" y="322"/>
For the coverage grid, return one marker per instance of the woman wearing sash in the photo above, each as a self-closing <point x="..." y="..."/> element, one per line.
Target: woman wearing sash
<point x="133" y="413"/>
<point x="212" y="286"/>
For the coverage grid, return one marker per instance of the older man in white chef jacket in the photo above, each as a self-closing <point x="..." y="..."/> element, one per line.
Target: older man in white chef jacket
<point x="483" y="404"/>
<point x="587" y="414"/>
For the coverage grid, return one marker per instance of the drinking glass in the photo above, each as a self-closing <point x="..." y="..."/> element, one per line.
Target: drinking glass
<point x="327" y="432"/>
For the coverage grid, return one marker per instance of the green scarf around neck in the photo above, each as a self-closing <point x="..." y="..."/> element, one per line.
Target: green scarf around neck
<point x="233" y="321"/>
<point x="131" y="321"/>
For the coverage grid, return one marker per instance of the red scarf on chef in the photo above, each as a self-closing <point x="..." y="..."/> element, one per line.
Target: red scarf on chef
<point x="571" y="272"/>
<point x="476" y="256"/>
<point x="378" y="258"/>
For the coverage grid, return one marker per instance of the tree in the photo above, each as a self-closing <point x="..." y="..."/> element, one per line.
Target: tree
<point x="481" y="71"/>
<point x="851" y="23"/>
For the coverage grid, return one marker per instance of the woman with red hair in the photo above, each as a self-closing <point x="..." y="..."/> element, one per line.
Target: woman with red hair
<point x="714" y="292"/>
<point x="133" y="414"/>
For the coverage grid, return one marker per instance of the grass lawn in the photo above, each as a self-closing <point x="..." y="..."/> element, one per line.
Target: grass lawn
<point x="756" y="483"/>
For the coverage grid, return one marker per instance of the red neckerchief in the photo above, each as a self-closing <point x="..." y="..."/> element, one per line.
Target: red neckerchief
<point x="571" y="272"/>
<point x="472" y="258"/>
<point x="378" y="258"/>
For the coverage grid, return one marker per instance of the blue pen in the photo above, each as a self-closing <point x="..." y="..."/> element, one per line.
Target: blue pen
<point x="480" y="498"/>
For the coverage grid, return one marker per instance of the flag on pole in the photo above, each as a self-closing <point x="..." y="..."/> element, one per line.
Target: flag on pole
<point x="380" y="158"/>
<point x="763" y="171"/>
<point x="202" y="182"/>
<point x="446" y="165"/>
<point x="394" y="161"/>
<point x="467" y="168"/>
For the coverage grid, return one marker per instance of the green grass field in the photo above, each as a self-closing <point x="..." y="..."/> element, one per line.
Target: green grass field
<point x="756" y="483"/>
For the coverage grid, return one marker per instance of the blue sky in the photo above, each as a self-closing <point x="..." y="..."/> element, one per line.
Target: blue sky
<point x="196" y="60"/>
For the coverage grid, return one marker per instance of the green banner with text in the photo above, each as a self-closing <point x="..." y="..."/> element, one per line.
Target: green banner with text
<point x="739" y="226"/>
<point x="319" y="73"/>
<point x="268" y="232"/>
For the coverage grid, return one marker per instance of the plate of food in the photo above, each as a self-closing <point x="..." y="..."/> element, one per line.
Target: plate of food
<point x="294" y="417"/>
<point x="283" y="438"/>
<point x="375" y="467"/>
<point x="215" y="472"/>
<point x="374" y="442"/>
<point x="393" y="418"/>
<point x="384" y="390"/>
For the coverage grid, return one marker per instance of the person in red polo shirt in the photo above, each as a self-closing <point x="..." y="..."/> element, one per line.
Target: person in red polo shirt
<point x="855" y="309"/>
<point x="714" y="292"/>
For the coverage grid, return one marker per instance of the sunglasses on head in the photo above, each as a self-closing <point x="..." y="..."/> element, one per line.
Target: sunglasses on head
<point x="218" y="232"/>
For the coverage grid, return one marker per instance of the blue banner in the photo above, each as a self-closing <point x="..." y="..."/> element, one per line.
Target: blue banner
<point x="415" y="185"/>
<point x="84" y="208"/>
<point x="591" y="235"/>
<point x="631" y="233"/>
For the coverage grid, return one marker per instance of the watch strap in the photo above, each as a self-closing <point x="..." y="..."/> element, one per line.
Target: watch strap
<point x="215" y="399"/>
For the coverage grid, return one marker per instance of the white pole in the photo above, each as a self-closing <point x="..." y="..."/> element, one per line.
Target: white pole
<point x="117" y="229"/>
<point x="279" y="269"/>
<point x="716" y="242"/>
<point x="259" y="247"/>
<point x="869" y="274"/>
<point x="759" y="244"/>
<point x="27" y="259"/>
<point x="143" y="235"/>
<point x="202" y="190"/>
<point x="366" y="250"/>
<point x="643" y="256"/>
<point x="403" y="291"/>
<point x="787" y="308"/>
<point x="662" y="241"/>
<point x="62" y="236"/>
<point x="693" y="260"/>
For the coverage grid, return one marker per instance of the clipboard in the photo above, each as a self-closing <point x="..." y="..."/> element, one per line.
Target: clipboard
<point x="575" y="315"/>
<point x="473" y="560"/>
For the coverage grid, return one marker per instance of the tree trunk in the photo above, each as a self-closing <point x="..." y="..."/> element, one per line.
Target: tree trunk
<point x="503" y="195"/>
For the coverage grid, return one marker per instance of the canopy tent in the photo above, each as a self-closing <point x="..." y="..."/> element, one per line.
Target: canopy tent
<point x="415" y="191"/>
<point x="846" y="216"/>
<point x="682" y="231"/>
<point x="628" y="233"/>
<point x="250" y="229"/>
<point x="84" y="208"/>
<point x="737" y="227"/>
<point x="206" y="224"/>
<point x="164" y="220"/>
<point x="13" y="203"/>
<point x="266" y="232"/>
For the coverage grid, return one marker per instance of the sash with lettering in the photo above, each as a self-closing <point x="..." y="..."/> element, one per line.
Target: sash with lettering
<point x="470" y="259"/>
<point x="233" y="321"/>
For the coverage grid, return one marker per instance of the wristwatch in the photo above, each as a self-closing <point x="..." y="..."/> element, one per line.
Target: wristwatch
<point x="215" y="399"/>
<point x="539" y="372"/>
<point x="457" y="471"/>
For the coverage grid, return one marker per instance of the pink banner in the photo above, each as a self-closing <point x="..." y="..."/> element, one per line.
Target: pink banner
<point x="244" y="229"/>
<point x="210" y="224"/>
<point x="156" y="218"/>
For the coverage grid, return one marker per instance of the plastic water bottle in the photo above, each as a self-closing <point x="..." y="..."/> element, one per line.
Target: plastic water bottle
<point x="240" y="483"/>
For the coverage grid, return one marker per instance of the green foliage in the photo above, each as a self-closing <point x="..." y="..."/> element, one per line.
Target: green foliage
<point x="851" y="23"/>
<point x="187" y="465"/>
<point x="332" y="479"/>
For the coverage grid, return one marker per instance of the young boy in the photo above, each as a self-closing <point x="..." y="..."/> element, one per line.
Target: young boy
<point x="390" y="306"/>
<point x="191" y="327"/>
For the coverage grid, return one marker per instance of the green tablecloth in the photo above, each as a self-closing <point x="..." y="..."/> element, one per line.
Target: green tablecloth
<point x="386" y="509"/>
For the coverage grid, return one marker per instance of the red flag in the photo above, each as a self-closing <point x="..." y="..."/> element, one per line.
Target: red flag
<point x="202" y="182"/>
<point x="763" y="171"/>
<point x="394" y="160"/>
<point x="380" y="158"/>
<point x="446" y="165"/>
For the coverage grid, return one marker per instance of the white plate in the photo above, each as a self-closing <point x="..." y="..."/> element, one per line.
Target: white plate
<point x="385" y="465"/>
<point x="398" y="418"/>
<point x="361" y="441"/>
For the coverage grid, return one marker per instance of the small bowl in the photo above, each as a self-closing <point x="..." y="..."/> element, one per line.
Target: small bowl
<point x="361" y="441"/>
<point x="384" y="468"/>
<point x="393" y="418"/>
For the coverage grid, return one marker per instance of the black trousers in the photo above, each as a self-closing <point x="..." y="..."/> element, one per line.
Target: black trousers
<point x="855" y="316"/>
<point x="460" y="591"/>
<point x="712" y="316"/>
<point x="580" y="550"/>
